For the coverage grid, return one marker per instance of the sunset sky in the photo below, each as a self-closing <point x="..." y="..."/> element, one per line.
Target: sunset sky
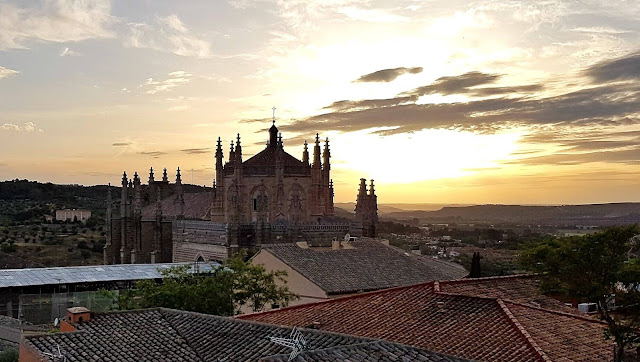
<point x="496" y="101"/>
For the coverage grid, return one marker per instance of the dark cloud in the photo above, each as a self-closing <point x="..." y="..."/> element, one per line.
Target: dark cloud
<point x="600" y="105"/>
<point x="154" y="154"/>
<point x="195" y="151"/>
<point x="626" y="156"/>
<point x="388" y="75"/>
<point x="455" y="84"/>
<point x="625" y="68"/>
<point x="122" y="144"/>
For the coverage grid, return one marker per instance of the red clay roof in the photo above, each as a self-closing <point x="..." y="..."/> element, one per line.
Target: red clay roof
<point x="468" y="326"/>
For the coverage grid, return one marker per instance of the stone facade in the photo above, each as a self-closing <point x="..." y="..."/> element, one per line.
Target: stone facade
<point x="132" y="238"/>
<point x="367" y="209"/>
<point x="272" y="197"/>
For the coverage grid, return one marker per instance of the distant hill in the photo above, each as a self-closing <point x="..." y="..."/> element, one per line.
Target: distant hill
<point x="18" y="197"/>
<point x="594" y="214"/>
<point x="384" y="209"/>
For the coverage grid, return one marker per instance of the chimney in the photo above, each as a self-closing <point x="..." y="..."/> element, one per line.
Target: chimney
<point x="335" y="245"/>
<point x="75" y="315"/>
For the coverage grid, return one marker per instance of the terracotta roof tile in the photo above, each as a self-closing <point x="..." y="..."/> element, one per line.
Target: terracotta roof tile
<point x="476" y="325"/>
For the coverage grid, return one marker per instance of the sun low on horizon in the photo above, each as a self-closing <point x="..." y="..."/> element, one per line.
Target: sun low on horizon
<point x="491" y="101"/>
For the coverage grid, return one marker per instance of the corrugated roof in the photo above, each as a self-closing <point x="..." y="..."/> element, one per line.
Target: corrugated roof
<point x="87" y="274"/>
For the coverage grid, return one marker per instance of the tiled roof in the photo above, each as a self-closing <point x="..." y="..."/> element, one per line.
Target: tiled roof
<point x="365" y="352"/>
<point x="370" y="265"/>
<point x="267" y="157"/>
<point x="196" y="206"/>
<point x="468" y="326"/>
<point x="171" y="335"/>
<point x="516" y="288"/>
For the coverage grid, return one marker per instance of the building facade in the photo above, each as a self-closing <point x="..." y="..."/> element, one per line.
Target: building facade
<point x="135" y="236"/>
<point x="272" y="197"/>
<point x="73" y="215"/>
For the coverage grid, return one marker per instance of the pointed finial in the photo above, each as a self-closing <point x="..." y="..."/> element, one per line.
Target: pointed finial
<point x="317" y="137"/>
<point x="238" y="142"/>
<point x="165" y="177"/>
<point x="274" y="114"/>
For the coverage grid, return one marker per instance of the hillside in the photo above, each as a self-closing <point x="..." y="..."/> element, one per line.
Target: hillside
<point x="595" y="214"/>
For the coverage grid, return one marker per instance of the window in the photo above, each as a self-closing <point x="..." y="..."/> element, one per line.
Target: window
<point x="255" y="204"/>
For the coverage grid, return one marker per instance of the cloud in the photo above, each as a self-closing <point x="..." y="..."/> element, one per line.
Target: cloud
<point x="455" y="84"/>
<point x="602" y="104"/>
<point x="624" y="68"/>
<point x="28" y="127"/>
<point x="54" y="21"/>
<point x="66" y="52"/>
<point x="196" y="151"/>
<point x="388" y="75"/>
<point x="175" y="79"/>
<point x="153" y="154"/>
<point x="167" y="34"/>
<point x="122" y="144"/>
<point x="5" y="72"/>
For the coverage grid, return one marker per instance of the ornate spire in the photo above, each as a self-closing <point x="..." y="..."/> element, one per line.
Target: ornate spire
<point x="151" y="176"/>
<point x="232" y="153"/>
<point x="363" y="187"/>
<point x="124" y="179"/>
<point x="305" y="153"/>
<point x="280" y="144"/>
<point x="326" y="154"/>
<point x="273" y="131"/>
<point x="165" y="177"/>
<point x="219" y="149"/>
<point x="238" y="153"/>
<point x="178" y="177"/>
<point x="316" y="152"/>
<point x="371" y="189"/>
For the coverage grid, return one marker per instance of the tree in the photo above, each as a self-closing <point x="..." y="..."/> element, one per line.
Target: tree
<point x="220" y="291"/>
<point x="595" y="268"/>
<point x="475" y="266"/>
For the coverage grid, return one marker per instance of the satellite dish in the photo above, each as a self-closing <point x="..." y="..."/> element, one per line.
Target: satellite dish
<point x="347" y="237"/>
<point x="56" y="322"/>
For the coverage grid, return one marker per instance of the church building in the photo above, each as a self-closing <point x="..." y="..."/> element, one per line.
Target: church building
<point x="271" y="197"/>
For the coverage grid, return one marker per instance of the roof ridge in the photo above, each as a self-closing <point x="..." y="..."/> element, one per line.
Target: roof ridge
<point x="319" y="285"/>
<point x="348" y="297"/>
<point x="527" y="337"/>
<point x="498" y="277"/>
<point x="162" y="312"/>
<point x="555" y="312"/>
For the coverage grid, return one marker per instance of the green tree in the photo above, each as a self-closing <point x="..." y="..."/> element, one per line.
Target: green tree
<point x="9" y="355"/>
<point x="221" y="291"/>
<point x="595" y="268"/>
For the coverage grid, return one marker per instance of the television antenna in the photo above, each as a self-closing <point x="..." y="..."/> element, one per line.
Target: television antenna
<point x="56" y="354"/>
<point x="295" y="341"/>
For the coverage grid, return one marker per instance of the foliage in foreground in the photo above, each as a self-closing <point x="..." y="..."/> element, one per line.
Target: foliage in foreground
<point x="9" y="355"/>
<point x="221" y="291"/>
<point x="595" y="268"/>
